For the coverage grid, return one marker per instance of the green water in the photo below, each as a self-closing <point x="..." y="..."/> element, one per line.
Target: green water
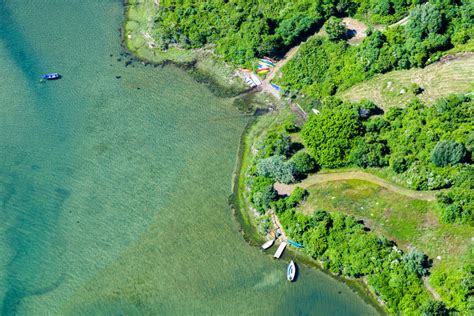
<point x="113" y="192"/>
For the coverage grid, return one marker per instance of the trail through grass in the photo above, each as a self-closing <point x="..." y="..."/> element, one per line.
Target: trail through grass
<point x="410" y="222"/>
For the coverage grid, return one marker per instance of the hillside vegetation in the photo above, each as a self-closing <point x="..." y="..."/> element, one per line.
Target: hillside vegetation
<point x="325" y="66"/>
<point x="435" y="81"/>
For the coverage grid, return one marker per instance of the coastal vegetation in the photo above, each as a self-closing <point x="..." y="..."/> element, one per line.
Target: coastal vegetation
<point x="241" y="31"/>
<point x="344" y="244"/>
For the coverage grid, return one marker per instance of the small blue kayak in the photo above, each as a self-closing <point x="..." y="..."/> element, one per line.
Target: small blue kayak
<point x="294" y="243"/>
<point x="51" y="76"/>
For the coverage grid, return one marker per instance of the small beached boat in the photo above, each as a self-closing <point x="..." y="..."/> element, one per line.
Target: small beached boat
<point x="268" y="244"/>
<point x="51" y="76"/>
<point x="279" y="251"/>
<point x="291" y="271"/>
<point x="270" y="59"/>
<point x="249" y="81"/>
<point x="294" y="243"/>
<point x="255" y="79"/>
<point x="275" y="87"/>
<point x="266" y="63"/>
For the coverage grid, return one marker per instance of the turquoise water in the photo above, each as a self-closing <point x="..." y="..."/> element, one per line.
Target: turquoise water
<point x="113" y="192"/>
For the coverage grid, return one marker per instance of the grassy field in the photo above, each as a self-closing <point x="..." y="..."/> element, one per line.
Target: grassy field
<point x="438" y="80"/>
<point x="411" y="223"/>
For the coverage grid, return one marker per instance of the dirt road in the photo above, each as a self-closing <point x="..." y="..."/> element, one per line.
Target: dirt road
<point x="355" y="175"/>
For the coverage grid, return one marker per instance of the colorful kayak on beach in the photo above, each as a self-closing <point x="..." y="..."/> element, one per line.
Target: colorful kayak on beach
<point x="266" y="62"/>
<point x="270" y="59"/>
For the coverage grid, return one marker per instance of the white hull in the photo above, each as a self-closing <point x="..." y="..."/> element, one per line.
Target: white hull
<point x="268" y="244"/>
<point x="291" y="271"/>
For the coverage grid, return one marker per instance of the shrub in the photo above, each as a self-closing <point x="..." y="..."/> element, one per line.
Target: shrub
<point x="274" y="143"/>
<point x="457" y="205"/>
<point x="276" y="168"/>
<point x="303" y="163"/>
<point x="296" y="197"/>
<point x="262" y="193"/>
<point x="369" y="155"/>
<point x="331" y="135"/>
<point x="447" y="152"/>
<point x="417" y="262"/>
<point x="335" y="28"/>
<point x="433" y="308"/>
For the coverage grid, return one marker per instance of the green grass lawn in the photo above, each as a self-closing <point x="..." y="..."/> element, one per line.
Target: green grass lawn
<point x="410" y="222"/>
<point x="438" y="80"/>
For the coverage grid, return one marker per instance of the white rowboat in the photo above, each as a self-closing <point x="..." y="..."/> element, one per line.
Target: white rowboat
<point x="268" y="244"/>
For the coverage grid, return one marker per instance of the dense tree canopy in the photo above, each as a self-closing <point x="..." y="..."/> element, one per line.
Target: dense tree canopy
<point x="330" y="135"/>
<point x="241" y="30"/>
<point x="335" y="28"/>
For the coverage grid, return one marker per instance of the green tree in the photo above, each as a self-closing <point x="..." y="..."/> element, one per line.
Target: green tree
<point x="330" y="136"/>
<point x="433" y="308"/>
<point x="274" y="143"/>
<point x="303" y="163"/>
<point x="262" y="193"/>
<point x="417" y="262"/>
<point x="335" y="28"/>
<point x="276" y="168"/>
<point x="424" y="20"/>
<point x="447" y="152"/>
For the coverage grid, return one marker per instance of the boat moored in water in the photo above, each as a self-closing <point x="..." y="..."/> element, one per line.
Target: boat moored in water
<point x="268" y="244"/>
<point x="291" y="271"/>
<point x="51" y="76"/>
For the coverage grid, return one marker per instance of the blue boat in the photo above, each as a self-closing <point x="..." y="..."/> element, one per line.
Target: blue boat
<point x="51" y="76"/>
<point x="294" y="243"/>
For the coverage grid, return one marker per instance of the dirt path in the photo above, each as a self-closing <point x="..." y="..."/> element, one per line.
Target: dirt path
<point x="288" y="56"/>
<point x="355" y="175"/>
<point x="357" y="29"/>
<point x="430" y="289"/>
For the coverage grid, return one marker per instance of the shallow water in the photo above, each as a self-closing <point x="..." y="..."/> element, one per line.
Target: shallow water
<point x="113" y="192"/>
